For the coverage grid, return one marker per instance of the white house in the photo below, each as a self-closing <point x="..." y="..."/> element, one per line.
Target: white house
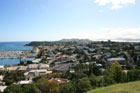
<point x="1" y="68"/>
<point x="2" y="88"/>
<point x="33" y="66"/>
<point x="43" y="66"/>
<point x="1" y="77"/>
<point x="36" y="60"/>
<point x="24" y="82"/>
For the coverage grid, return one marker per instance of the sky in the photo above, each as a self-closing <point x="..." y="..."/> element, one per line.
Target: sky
<point x="49" y="20"/>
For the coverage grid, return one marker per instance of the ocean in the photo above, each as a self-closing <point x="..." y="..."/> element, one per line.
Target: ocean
<point x="5" y="46"/>
<point x="14" y="46"/>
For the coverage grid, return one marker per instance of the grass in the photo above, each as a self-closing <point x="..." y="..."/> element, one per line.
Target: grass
<point x="131" y="87"/>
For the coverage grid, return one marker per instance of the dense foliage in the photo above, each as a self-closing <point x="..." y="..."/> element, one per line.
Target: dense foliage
<point x="11" y="77"/>
<point x="80" y="81"/>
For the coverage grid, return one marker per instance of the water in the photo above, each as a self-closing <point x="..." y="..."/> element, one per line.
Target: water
<point x="14" y="46"/>
<point x="4" y="46"/>
<point x="13" y="61"/>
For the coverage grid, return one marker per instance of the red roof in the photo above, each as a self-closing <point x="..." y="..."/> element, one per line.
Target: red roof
<point x="58" y="80"/>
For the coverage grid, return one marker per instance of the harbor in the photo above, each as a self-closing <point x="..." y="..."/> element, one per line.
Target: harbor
<point x="10" y="54"/>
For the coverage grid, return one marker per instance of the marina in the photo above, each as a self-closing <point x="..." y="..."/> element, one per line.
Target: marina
<point x="10" y="52"/>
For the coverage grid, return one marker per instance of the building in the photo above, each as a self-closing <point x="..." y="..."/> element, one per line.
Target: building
<point x="32" y="66"/>
<point x="38" y="66"/>
<point x="1" y="77"/>
<point x="36" y="60"/>
<point x="13" y="68"/>
<point x="24" y="82"/>
<point x="63" y="67"/>
<point x="43" y="66"/>
<point x="36" y="73"/>
<point x="36" y="50"/>
<point x="2" y="88"/>
<point x="122" y="61"/>
<point x="59" y="80"/>
<point x="17" y="68"/>
<point x="1" y="68"/>
<point x="22" y="68"/>
<point x="97" y="56"/>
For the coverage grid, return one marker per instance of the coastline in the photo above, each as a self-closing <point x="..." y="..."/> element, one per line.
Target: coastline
<point x="10" y="52"/>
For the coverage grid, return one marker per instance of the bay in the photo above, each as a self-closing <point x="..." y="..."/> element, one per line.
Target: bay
<point x="6" y="46"/>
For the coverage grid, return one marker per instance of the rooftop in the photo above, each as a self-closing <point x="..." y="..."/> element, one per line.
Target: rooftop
<point x="117" y="59"/>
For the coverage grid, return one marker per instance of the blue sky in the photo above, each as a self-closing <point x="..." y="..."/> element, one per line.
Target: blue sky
<point x="43" y="20"/>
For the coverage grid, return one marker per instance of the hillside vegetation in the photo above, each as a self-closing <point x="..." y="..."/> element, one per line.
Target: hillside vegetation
<point x="60" y="42"/>
<point x="132" y="87"/>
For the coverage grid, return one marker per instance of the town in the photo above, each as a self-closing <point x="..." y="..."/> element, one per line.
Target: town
<point x="63" y="61"/>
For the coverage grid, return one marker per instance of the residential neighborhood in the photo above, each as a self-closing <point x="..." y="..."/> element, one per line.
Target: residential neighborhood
<point x="72" y="58"/>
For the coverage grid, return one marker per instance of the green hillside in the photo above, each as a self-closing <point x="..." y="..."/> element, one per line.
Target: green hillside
<point x="132" y="87"/>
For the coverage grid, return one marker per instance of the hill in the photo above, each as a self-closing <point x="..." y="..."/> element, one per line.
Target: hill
<point x="76" y="40"/>
<point x="132" y="87"/>
<point x="60" y="42"/>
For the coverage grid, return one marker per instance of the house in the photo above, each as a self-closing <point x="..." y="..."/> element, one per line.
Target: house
<point x="48" y="58"/>
<point x="62" y="57"/>
<point x="137" y="48"/>
<point x="72" y="71"/>
<point x="119" y="59"/>
<point x="2" y="83"/>
<point x="36" y="50"/>
<point x="59" y="80"/>
<point x="38" y="66"/>
<point x="24" y="82"/>
<point x="138" y="58"/>
<point x="35" y="70"/>
<point x="22" y="68"/>
<point x="1" y="77"/>
<point x="97" y="56"/>
<point x="91" y="50"/>
<point x="32" y="66"/>
<point x="36" y="73"/>
<point x="43" y="66"/>
<point x="86" y="52"/>
<point x="125" y="70"/>
<point x="2" y="88"/>
<point x="63" y="67"/>
<point x="1" y="68"/>
<point x="36" y="60"/>
<point x="98" y="65"/>
<point x="13" y="68"/>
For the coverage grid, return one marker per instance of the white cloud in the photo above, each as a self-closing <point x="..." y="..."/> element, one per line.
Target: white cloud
<point x="115" y="4"/>
<point x="119" y="34"/>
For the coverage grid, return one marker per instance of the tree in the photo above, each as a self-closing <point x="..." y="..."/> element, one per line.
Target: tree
<point x="83" y="85"/>
<point x="31" y="88"/>
<point x="11" y="77"/>
<point x="124" y="77"/>
<point x="107" y="78"/>
<point x="116" y="72"/>
<point x="78" y="75"/>
<point x="93" y="81"/>
<point x="67" y="88"/>
<point x="47" y="87"/>
<point x="13" y="89"/>
<point x="93" y="69"/>
<point x="29" y="62"/>
<point x="133" y="75"/>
